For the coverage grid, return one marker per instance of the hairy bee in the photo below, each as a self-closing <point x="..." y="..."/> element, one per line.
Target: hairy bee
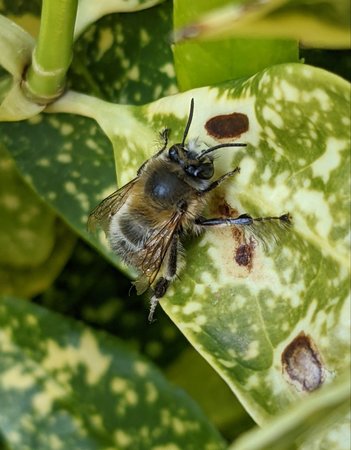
<point x="147" y="218"/>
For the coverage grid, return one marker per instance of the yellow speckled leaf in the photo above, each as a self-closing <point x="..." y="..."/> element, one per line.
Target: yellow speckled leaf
<point x="251" y="320"/>
<point x="65" y="385"/>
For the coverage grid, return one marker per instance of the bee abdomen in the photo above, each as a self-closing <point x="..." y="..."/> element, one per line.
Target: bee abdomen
<point x="128" y="233"/>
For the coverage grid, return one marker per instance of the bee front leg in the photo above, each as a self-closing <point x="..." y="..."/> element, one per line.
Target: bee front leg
<point x="164" y="135"/>
<point x="163" y="283"/>
<point x="219" y="181"/>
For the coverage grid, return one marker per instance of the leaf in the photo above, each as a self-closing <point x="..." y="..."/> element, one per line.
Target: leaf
<point x="70" y="151"/>
<point x="206" y="63"/>
<point x="88" y="12"/>
<point x="80" y="388"/>
<point x="34" y="244"/>
<point x="289" y="296"/>
<point x="197" y="378"/>
<point x="311" y="422"/>
<point x="16" y="47"/>
<point x="126" y="58"/>
<point x="324" y="24"/>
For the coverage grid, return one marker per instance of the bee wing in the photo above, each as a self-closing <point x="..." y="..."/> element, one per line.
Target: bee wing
<point x="101" y="215"/>
<point x="155" y="251"/>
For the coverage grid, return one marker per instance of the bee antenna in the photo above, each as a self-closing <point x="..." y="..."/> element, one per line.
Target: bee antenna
<point x="191" y="113"/>
<point x="216" y="147"/>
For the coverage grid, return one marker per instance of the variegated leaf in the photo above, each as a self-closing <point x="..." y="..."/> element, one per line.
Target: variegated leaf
<point x="64" y="385"/>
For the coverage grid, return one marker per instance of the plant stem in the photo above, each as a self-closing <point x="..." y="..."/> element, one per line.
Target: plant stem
<point x="53" y="53"/>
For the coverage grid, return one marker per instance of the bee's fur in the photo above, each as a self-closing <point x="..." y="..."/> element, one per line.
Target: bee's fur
<point x="146" y="219"/>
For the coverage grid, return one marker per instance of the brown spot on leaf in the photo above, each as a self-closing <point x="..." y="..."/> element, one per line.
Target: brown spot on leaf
<point x="302" y="364"/>
<point x="244" y="254"/>
<point x="227" y="125"/>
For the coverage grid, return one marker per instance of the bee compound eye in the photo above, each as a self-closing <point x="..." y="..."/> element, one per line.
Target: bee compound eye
<point x="173" y="153"/>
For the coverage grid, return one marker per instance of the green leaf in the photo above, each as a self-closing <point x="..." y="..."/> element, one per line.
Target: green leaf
<point x="206" y="63"/>
<point x="192" y="373"/>
<point x="292" y="295"/>
<point x="318" y="421"/>
<point x="126" y="58"/>
<point x="70" y="151"/>
<point x="64" y="384"/>
<point x="34" y="244"/>
<point x="89" y="12"/>
<point x="316" y="23"/>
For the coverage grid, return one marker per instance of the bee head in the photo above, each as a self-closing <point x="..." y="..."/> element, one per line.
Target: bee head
<point x="193" y="165"/>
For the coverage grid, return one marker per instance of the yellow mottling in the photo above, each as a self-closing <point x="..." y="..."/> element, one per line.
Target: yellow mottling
<point x="43" y="401"/>
<point x="165" y="416"/>
<point x="90" y="143"/>
<point x="119" y="385"/>
<point x="55" y="443"/>
<point x="122" y="438"/>
<point x="141" y="368"/>
<point x="133" y="73"/>
<point x="252" y="350"/>
<point x="330" y="159"/>
<point x="166" y="447"/>
<point x="51" y="195"/>
<point x="342" y="331"/>
<point x="201" y="320"/>
<point x="66" y="129"/>
<point x="192" y="307"/>
<point x="9" y="201"/>
<point x="168" y="69"/>
<point x="144" y="37"/>
<point x="199" y="290"/>
<point x="178" y="426"/>
<point x="345" y="120"/>
<point x="96" y="421"/>
<point x="290" y="92"/>
<point x="84" y="201"/>
<point x="67" y="146"/>
<point x="86" y="354"/>
<point x="226" y="363"/>
<point x="321" y="96"/>
<point x="247" y="166"/>
<point x="267" y="174"/>
<point x="44" y="162"/>
<point x="14" y="437"/>
<point x="64" y="158"/>
<point x="272" y="116"/>
<point x="151" y="392"/>
<point x="313" y="203"/>
<point x="31" y="320"/>
<point x="16" y="378"/>
<point x="70" y="187"/>
<point x="6" y="164"/>
<point x="208" y="279"/>
<point x="253" y="381"/>
<point x="131" y="397"/>
<point x="105" y="41"/>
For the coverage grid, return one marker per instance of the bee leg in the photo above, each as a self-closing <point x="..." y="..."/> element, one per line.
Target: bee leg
<point x="242" y="220"/>
<point x="220" y="180"/>
<point x="164" y="135"/>
<point x="163" y="283"/>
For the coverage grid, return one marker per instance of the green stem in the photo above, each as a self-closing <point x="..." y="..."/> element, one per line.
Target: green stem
<point x="53" y="54"/>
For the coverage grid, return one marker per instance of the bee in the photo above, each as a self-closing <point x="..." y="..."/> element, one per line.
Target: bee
<point x="147" y="219"/>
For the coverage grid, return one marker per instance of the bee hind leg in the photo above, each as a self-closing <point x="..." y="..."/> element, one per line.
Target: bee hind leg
<point x="242" y="220"/>
<point x="163" y="283"/>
